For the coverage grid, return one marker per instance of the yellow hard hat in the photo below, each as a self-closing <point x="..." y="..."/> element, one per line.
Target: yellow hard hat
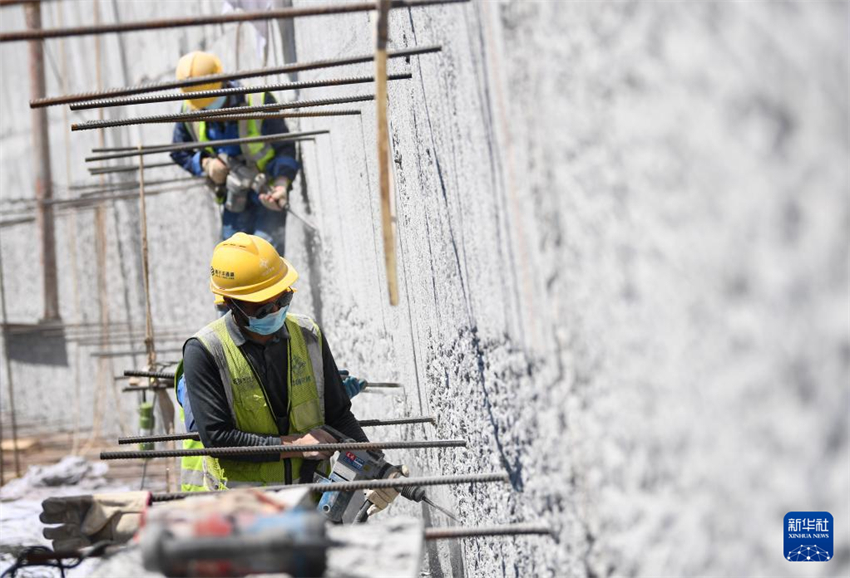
<point x="248" y="268"/>
<point x="197" y="64"/>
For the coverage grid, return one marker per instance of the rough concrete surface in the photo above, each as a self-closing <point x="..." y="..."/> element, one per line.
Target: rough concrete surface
<point x="623" y="256"/>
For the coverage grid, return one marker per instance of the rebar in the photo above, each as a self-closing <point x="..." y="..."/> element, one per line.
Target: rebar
<point x="196" y="436"/>
<point x="259" y="450"/>
<point x="363" y="485"/>
<point x="281" y="86"/>
<point x="279" y="14"/>
<point x="506" y="530"/>
<point x="152" y="374"/>
<point x="128" y="168"/>
<point x="212" y="114"/>
<point x="198" y="80"/>
<point x="204" y="144"/>
<point x="383" y="384"/>
<point x="285" y="115"/>
<point x="89" y="189"/>
<point x="143" y="388"/>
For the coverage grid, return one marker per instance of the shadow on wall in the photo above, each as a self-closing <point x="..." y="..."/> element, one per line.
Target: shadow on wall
<point x="36" y="344"/>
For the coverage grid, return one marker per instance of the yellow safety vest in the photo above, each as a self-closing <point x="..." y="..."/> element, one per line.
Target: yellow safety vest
<point x="259" y="153"/>
<point x="250" y="407"/>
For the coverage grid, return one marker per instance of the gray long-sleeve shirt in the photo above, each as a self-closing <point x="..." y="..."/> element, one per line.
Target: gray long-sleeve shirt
<point x="209" y="402"/>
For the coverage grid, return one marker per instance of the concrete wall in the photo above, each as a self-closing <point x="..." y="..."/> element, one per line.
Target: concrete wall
<point x="623" y="255"/>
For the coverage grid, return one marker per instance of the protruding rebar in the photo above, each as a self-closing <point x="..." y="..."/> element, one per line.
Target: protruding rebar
<point x="154" y="374"/>
<point x="259" y="450"/>
<point x="364" y="485"/>
<point x="471" y="532"/>
<point x="383" y="384"/>
<point x="198" y="80"/>
<point x="196" y="436"/>
<point x="212" y="114"/>
<point x="204" y="144"/>
<point x="281" y="86"/>
<point x="142" y="388"/>
<point x="198" y="20"/>
<point x="128" y="168"/>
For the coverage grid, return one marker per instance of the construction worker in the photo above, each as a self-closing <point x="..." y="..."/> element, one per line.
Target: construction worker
<point x="245" y="209"/>
<point x="260" y="375"/>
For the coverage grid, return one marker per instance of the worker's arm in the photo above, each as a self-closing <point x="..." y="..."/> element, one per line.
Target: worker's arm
<point x="284" y="163"/>
<point x="337" y="403"/>
<point x="210" y="407"/>
<point x="189" y="160"/>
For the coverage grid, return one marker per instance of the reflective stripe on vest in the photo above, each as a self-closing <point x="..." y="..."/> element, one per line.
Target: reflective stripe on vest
<point x="258" y="154"/>
<point x="249" y="407"/>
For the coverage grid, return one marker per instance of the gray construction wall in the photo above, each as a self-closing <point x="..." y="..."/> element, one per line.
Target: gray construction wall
<point x="623" y="261"/>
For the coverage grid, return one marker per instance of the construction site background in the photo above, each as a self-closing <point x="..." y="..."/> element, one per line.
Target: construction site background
<point x="623" y="257"/>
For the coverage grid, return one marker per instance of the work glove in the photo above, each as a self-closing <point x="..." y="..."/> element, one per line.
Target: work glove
<point x="382" y="498"/>
<point x="352" y="385"/>
<point x="87" y="520"/>
<point x="277" y="197"/>
<point x="215" y="170"/>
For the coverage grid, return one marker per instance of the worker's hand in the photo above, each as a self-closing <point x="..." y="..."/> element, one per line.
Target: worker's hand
<point x="382" y="498"/>
<point x="277" y="199"/>
<point x="86" y="520"/>
<point x="215" y="170"/>
<point x="352" y="385"/>
<point x="315" y="436"/>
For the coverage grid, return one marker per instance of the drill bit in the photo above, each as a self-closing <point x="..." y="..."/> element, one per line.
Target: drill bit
<point x="428" y="501"/>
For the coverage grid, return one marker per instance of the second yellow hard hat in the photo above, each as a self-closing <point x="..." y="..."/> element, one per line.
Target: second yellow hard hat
<point x="197" y="64"/>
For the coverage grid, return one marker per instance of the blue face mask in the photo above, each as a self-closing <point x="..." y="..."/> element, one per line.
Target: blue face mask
<point x="268" y="324"/>
<point x="217" y="103"/>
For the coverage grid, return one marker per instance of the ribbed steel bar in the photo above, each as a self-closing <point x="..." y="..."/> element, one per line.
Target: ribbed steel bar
<point x="96" y="189"/>
<point x="91" y="201"/>
<point x="212" y="114"/>
<point x="196" y="436"/>
<point x="128" y="168"/>
<point x="213" y="143"/>
<point x="259" y="450"/>
<point x="265" y="116"/>
<point x="506" y="530"/>
<point x="279" y="14"/>
<point x="281" y="86"/>
<point x="364" y="485"/>
<point x="153" y="374"/>
<point x="383" y="384"/>
<point x="133" y="388"/>
<point x="198" y="80"/>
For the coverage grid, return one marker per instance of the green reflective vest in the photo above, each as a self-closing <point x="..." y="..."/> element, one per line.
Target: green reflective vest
<point x="259" y="153"/>
<point x="250" y="407"/>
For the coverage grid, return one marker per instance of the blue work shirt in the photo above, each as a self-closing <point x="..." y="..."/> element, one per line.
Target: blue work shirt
<point x="283" y="164"/>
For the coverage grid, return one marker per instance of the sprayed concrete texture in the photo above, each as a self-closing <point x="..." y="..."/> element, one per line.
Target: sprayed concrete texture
<point x="623" y="254"/>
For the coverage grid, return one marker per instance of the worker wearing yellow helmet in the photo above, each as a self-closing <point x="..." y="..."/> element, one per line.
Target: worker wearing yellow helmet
<point x="261" y="375"/>
<point x="255" y="197"/>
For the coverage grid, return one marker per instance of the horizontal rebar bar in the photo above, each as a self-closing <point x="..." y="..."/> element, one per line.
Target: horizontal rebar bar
<point x="280" y="86"/>
<point x="284" y="115"/>
<point x="198" y="80"/>
<point x="363" y="485"/>
<point x="89" y="189"/>
<point x="383" y="384"/>
<point x="472" y="532"/>
<point x="204" y="144"/>
<point x="279" y="14"/>
<point x="153" y="374"/>
<point x="212" y="114"/>
<point x="137" y="388"/>
<point x="259" y="450"/>
<point x="92" y="200"/>
<point x="128" y="168"/>
<point x="196" y="436"/>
